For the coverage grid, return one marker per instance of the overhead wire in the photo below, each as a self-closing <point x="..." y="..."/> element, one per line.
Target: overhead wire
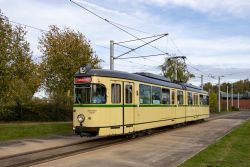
<point x="202" y="72"/>
<point x="133" y="49"/>
<point x="141" y="38"/>
<point x="114" y="24"/>
<point x="150" y="66"/>
<point x="25" y="25"/>
<point x="131" y="28"/>
<point x="111" y="22"/>
<point x="43" y="30"/>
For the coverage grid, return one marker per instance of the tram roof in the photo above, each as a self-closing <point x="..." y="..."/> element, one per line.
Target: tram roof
<point x="141" y="77"/>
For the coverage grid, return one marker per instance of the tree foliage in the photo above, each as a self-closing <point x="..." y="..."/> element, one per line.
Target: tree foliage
<point x="168" y="70"/>
<point x="19" y="74"/>
<point x="213" y="102"/>
<point x="241" y="86"/>
<point x="64" y="51"/>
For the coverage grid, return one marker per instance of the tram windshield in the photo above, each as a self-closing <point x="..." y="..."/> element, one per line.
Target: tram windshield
<point x="90" y="94"/>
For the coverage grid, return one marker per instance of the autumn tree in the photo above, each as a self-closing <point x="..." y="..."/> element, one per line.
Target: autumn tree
<point x="168" y="70"/>
<point x="64" y="52"/>
<point x="5" y="50"/>
<point x="19" y="74"/>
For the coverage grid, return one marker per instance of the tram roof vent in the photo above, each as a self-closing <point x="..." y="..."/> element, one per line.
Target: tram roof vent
<point x="154" y="76"/>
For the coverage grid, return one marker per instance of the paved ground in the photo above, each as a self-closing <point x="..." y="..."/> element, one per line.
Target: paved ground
<point x="165" y="149"/>
<point x="26" y="145"/>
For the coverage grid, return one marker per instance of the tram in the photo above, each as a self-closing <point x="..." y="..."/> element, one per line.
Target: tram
<point x="114" y="102"/>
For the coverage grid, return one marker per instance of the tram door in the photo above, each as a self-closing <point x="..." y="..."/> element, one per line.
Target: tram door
<point x="128" y="106"/>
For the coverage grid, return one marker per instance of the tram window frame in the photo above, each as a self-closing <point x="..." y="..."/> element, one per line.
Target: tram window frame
<point x="156" y="95"/>
<point x="180" y="101"/>
<point x="190" y="98"/>
<point x="201" y="99"/>
<point x="173" y="94"/>
<point x="196" y="99"/>
<point x="114" y="98"/>
<point x="207" y="100"/>
<point x="85" y="93"/>
<point x="142" y="89"/>
<point x="165" y="94"/>
<point x="129" y="94"/>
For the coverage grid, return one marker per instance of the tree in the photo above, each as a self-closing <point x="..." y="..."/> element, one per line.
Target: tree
<point x="64" y="52"/>
<point x="5" y="48"/>
<point x="183" y="75"/>
<point x="19" y="74"/>
<point x="213" y="102"/>
<point x="208" y="87"/>
<point x="26" y="78"/>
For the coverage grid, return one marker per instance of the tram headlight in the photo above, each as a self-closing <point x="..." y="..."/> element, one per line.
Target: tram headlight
<point x="81" y="118"/>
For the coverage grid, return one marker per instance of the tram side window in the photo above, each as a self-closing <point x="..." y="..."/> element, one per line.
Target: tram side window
<point x="173" y="97"/>
<point x="190" y="98"/>
<point x="128" y="92"/>
<point x="116" y="93"/>
<point x="195" y="99"/>
<point x="205" y="100"/>
<point x="201" y="100"/>
<point x="165" y="96"/>
<point x="145" y="94"/>
<point x="180" y="99"/>
<point x="156" y="95"/>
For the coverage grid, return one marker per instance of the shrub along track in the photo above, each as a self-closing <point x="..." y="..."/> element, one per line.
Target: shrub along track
<point x="45" y="155"/>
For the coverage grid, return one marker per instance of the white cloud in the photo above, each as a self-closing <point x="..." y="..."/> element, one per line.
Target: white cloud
<point x="215" y="7"/>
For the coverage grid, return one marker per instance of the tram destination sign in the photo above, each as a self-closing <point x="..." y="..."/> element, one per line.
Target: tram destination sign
<point x="79" y="80"/>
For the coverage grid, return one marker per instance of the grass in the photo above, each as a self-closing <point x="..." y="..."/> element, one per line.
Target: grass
<point x="232" y="150"/>
<point x="11" y="131"/>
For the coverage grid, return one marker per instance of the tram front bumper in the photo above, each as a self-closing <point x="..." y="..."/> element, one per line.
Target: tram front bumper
<point x="85" y="131"/>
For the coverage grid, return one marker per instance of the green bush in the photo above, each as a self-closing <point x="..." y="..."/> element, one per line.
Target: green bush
<point x="233" y="108"/>
<point x="36" y="111"/>
<point x="213" y="104"/>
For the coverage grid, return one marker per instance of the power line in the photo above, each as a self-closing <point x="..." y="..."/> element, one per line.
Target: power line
<point x="132" y="57"/>
<point x="165" y="34"/>
<point x="146" y="43"/>
<point x="133" y="28"/>
<point x="137" y="63"/>
<point x="114" y="24"/>
<point x="39" y="29"/>
<point x="177" y="48"/>
<point x="205" y="74"/>
<point x="105" y="47"/>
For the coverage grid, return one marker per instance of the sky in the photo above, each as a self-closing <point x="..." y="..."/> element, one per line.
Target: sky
<point x="214" y="35"/>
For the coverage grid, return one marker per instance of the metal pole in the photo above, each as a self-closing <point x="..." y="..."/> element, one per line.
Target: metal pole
<point x="238" y="100"/>
<point x="227" y="97"/>
<point x="219" y="93"/>
<point x="111" y="55"/>
<point x="175" y="70"/>
<point x="202" y="82"/>
<point x="232" y="95"/>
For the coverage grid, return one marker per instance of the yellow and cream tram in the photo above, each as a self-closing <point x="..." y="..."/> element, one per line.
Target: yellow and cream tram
<point x="114" y="102"/>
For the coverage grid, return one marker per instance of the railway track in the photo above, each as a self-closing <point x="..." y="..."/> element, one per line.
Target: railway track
<point x="41" y="156"/>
